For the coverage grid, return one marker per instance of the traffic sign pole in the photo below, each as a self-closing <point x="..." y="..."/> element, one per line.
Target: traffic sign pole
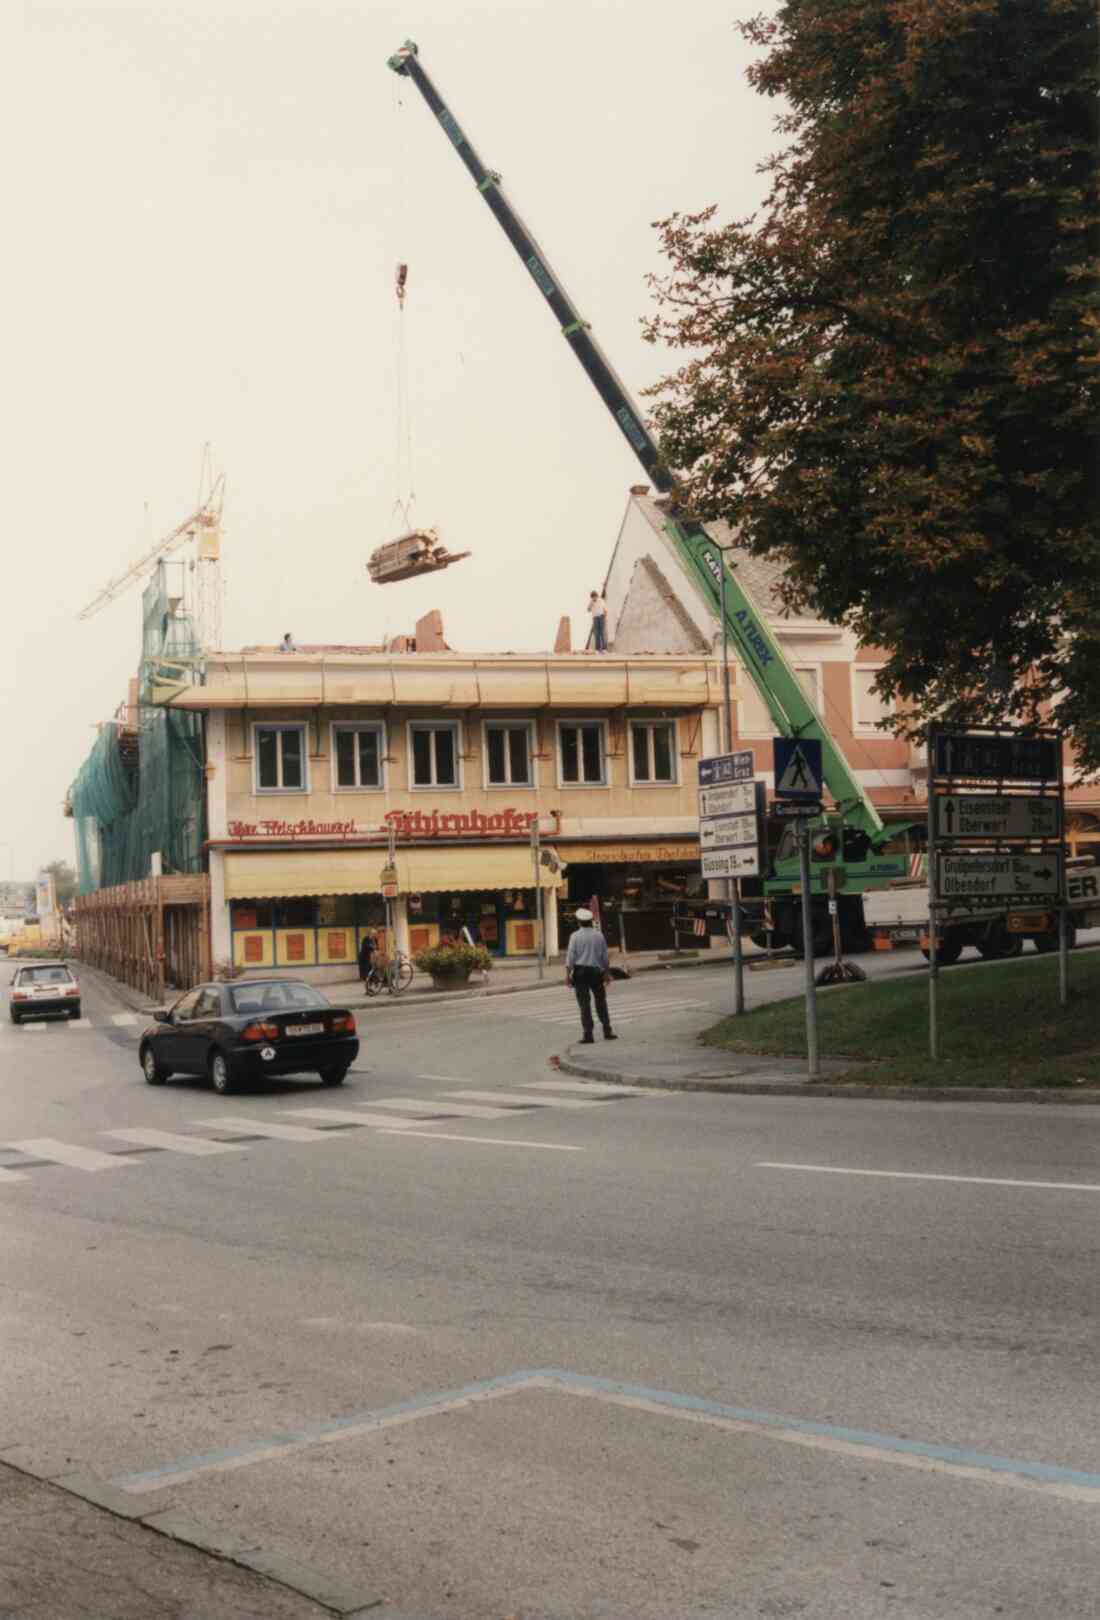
<point x="808" y="948"/>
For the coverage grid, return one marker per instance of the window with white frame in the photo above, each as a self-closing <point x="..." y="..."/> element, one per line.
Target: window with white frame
<point x="358" y="752"/>
<point x="508" y="754"/>
<point x="582" y="749"/>
<point x="433" y="753"/>
<point x="868" y="705"/>
<point x="653" y="751"/>
<point x="280" y="759"/>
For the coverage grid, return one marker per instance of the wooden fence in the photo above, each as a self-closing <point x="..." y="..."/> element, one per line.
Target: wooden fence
<point x="154" y="935"/>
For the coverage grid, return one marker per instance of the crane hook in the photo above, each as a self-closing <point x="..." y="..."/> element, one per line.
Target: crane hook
<point x="399" y="281"/>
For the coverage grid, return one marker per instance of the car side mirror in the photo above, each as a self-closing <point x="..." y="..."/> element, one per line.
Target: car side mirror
<point x="161" y="1015"/>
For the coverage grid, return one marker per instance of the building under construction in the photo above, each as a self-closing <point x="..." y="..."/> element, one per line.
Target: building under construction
<point x="138" y="804"/>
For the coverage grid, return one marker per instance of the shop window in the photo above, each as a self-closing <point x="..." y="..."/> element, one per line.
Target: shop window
<point x="508" y="755"/>
<point x="583" y="753"/>
<point x="336" y="908"/>
<point x="434" y="752"/>
<point x="280" y="759"/>
<point x="653" y="752"/>
<point x="359" y="751"/>
<point x="295" y="914"/>
<point x="252" y="914"/>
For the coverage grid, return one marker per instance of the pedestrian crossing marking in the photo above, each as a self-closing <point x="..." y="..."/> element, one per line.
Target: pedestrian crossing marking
<point x="524" y="1101"/>
<point x="38" y="1026"/>
<point x="595" y="1086"/>
<point x="416" y="1105"/>
<point x="123" y="1018"/>
<point x="347" y="1116"/>
<point x="262" y="1127"/>
<point x="11" y="1175"/>
<point x="199" y="1147"/>
<point x="77" y="1158"/>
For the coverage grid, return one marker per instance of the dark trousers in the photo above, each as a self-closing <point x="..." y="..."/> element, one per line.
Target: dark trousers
<point x="599" y="631"/>
<point x="588" y="982"/>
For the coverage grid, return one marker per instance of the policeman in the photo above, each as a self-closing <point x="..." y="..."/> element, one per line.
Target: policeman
<point x="586" y="969"/>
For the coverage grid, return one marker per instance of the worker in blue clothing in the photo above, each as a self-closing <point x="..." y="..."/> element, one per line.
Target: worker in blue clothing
<point x="586" y="969"/>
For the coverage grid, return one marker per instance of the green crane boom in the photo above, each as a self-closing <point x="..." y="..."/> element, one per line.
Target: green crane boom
<point x="792" y="714"/>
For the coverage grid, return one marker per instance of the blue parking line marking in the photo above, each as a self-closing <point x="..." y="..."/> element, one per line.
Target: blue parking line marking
<point x="1066" y="1482"/>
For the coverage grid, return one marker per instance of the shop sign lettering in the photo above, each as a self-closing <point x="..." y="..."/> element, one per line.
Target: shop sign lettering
<point x="294" y="829"/>
<point x="431" y="824"/>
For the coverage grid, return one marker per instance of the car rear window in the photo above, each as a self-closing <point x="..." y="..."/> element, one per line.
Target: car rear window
<point x="45" y="975"/>
<point x="256" y="998"/>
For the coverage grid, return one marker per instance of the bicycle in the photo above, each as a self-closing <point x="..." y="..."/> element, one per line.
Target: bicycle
<point x="394" y="976"/>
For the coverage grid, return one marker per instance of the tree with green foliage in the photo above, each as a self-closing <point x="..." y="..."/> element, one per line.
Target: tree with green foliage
<point x="64" y="880"/>
<point x="890" y="377"/>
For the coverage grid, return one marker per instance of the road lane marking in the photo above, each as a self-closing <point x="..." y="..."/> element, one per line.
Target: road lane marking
<point x="487" y="1141"/>
<point x="11" y="1175"/>
<point x="78" y="1158"/>
<point x="239" y="1126"/>
<point x="123" y="1018"/>
<point x="37" y="1027"/>
<point x="1067" y="1484"/>
<point x="80" y="1023"/>
<point x="523" y="1101"/>
<point x="199" y="1147"/>
<point x="920" y="1175"/>
<point x="416" y="1105"/>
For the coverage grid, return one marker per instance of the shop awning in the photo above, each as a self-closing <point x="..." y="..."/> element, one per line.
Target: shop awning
<point x="290" y="874"/>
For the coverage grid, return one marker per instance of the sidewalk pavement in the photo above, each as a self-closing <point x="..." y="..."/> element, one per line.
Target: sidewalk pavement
<point x="67" y="1556"/>
<point x="683" y="1063"/>
<point x="503" y="979"/>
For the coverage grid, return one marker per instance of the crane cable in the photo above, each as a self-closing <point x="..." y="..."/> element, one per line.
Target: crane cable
<point x="406" y="495"/>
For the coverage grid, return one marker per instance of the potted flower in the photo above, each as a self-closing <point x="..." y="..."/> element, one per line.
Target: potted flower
<point x="450" y="965"/>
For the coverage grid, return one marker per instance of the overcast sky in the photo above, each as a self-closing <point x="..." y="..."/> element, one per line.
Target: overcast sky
<point x="217" y="193"/>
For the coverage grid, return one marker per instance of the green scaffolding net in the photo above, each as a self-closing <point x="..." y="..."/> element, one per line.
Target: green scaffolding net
<point x="140" y="793"/>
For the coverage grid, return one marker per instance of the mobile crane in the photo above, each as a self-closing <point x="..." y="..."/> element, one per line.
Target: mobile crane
<point x="851" y="842"/>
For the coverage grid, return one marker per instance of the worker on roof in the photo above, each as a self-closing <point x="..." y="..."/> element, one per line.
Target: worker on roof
<point x="287" y="643"/>
<point x="598" y="609"/>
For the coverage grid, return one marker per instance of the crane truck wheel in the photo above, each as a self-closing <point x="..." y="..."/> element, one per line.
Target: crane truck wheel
<point x="948" y="952"/>
<point x="822" y="926"/>
<point x="999" y="945"/>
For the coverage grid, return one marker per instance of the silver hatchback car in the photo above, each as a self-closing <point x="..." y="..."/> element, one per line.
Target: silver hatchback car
<point x="47" y="987"/>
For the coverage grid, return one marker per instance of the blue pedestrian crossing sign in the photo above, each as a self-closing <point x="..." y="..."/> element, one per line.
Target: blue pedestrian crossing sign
<point x="797" y="765"/>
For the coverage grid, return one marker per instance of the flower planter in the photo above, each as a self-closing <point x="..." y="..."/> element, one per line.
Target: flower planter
<point x="450" y="981"/>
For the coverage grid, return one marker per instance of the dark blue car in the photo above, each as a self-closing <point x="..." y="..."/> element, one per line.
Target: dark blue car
<point x="250" y="1030"/>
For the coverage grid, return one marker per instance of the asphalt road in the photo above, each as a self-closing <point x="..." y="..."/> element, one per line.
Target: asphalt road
<point x="535" y="1351"/>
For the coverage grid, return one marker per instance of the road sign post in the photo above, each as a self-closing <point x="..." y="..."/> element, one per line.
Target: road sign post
<point x="996" y="811"/>
<point x="730" y="832"/>
<point x="808" y="947"/>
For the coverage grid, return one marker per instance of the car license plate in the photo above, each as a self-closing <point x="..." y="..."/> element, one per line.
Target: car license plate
<point x="305" y="1029"/>
<point x="907" y="933"/>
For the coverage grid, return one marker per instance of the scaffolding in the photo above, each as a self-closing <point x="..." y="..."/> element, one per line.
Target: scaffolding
<point x="138" y="806"/>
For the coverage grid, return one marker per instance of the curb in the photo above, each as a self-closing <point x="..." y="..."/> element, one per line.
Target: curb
<point x="811" y="1088"/>
<point x="163" y="1519"/>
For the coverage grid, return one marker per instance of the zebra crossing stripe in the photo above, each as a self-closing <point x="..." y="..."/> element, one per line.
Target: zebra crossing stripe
<point x="11" y="1175"/>
<point x="78" y="1158"/>
<point x="123" y="1018"/>
<point x="239" y="1126"/>
<point x="199" y="1147"/>
<point x="461" y="1110"/>
<point x="526" y="1101"/>
<point x="596" y="1087"/>
<point x="348" y="1116"/>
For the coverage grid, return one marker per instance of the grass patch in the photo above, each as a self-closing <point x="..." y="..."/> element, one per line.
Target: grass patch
<point x="1000" y="1025"/>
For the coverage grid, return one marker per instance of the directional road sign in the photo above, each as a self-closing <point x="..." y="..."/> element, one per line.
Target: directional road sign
<point x="797" y="765"/>
<point x="738" y="799"/>
<point x="987" y="875"/>
<point x="995" y="756"/>
<point x="972" y="817"/>
<point x="728" y="832"/>
<point x="798" y="811"/>
<point x="731" y="863"/>
<point x="719" y="768"/>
